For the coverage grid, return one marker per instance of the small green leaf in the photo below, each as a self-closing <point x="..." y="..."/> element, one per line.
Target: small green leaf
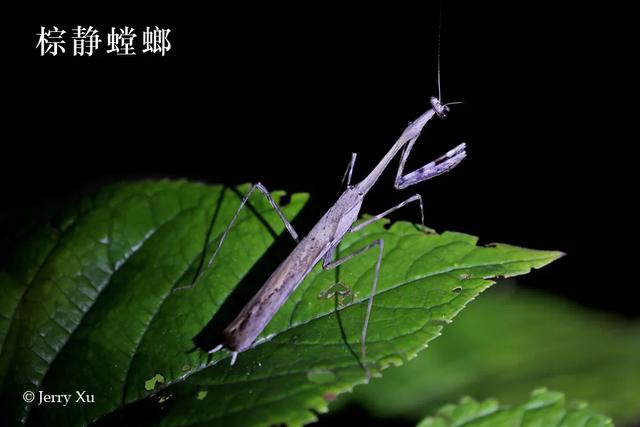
<point x="92" y="308"/>
<point x="543" y="409"/>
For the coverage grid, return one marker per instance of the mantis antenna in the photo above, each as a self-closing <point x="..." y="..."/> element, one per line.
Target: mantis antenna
<point x="439" y="34"/>
<point x="442" y="111"/>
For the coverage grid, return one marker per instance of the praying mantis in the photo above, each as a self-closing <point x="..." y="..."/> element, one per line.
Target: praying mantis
<point x="321" y="241"/>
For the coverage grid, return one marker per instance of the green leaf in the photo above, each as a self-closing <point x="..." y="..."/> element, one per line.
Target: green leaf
<point x="510" y="342"/>
<point x="543" y="409"/>
<point x="90" y="307"/>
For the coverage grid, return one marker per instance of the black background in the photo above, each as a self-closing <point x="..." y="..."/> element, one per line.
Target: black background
<point x="284" y="95"/>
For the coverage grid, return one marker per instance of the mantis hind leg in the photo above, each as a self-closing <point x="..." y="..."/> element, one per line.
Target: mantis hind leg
<point x="245" y="199"/>
<point x="327" y="264"/>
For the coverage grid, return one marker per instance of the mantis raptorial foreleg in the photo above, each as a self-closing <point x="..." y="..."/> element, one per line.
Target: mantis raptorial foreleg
<point x="437" y="167"/>
<point x="245" y="199"/>
<point x="327" y="264"/>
